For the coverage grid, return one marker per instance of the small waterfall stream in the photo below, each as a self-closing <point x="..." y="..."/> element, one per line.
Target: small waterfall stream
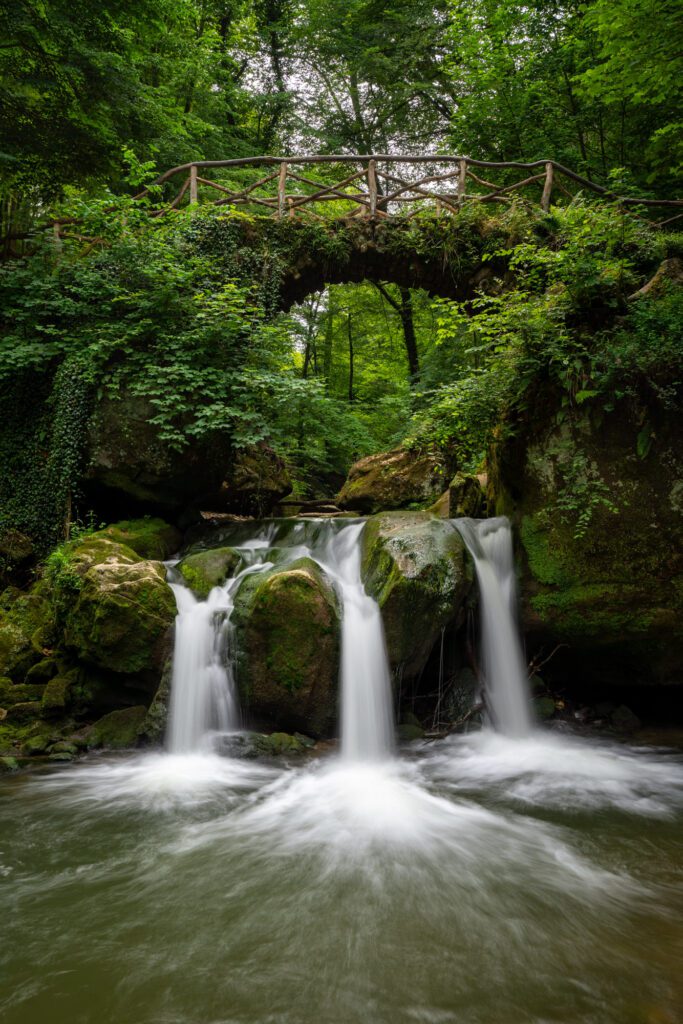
<point x="489" y="541"/>
<point x="204" y="696"/>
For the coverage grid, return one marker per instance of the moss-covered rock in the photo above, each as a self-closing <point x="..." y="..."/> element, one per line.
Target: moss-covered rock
<point x="131" y="466"/>
<point x="26" y="627"/>
<point x="415" y="566"/>
<point x="122" y="609"/>
<point x="395" y="479"/>
<point x="287" y="623"/>
<point x="18" y="693"/>
<point x="148" y="537"/>
<point x="119" y="730"/>
<point x="465" y="496"/>
<point x="597" y="499"/>
<point x="55" y="694"/>
<point x="208" y="569"/>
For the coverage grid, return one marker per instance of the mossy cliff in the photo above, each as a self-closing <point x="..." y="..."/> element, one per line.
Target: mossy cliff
<point x="89" y="637"/>
<point x="415" y="566"/>
<point x="597" y="499"/>
<point x="287" y="625"/>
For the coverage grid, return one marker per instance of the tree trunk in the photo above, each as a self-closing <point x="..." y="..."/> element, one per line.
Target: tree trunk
<point x="348" y="324"/>
<point x="408" y="325"/>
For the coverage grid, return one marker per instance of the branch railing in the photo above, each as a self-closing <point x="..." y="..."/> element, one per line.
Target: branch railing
<point x="375" y="189"/>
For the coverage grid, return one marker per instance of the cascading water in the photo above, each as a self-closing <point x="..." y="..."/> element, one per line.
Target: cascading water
<point x="367" y="732"/>
<point x="489" y="541"/>
<point x="204" y="692"/>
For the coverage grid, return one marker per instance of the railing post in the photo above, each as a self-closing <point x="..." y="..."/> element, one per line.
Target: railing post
<point x="547" y="187"/>
<point x="193" y="185"/>
<point x="282" y="191"/>
<point x="372" y="188"/>
<point x="462" y="181"/>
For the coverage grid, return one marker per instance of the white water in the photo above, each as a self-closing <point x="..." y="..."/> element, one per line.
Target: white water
<point x="204" y="697"/>
<point x="367" y="730"/>
<point x="203" y="689"/>
<point x="489" y="541"/>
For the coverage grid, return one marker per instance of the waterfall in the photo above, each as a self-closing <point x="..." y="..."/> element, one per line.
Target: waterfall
<point x="489" y="541"/>
<point x="203" y="688"/>
<point x="367" y="730"/>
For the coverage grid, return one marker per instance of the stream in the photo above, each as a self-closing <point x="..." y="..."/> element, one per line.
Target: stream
<point x="511" y="875"/>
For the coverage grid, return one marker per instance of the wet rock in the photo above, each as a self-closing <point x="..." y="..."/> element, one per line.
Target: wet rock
<point x="118" y="730"/>
<point x="543" y="707"/>
<point x="122" y="611"/>
<point x="208" y="569"/>
<point x="462" y="696"/>
<point x="55" y="695"/>
<point x="8" y="765"/>
<point x="287" y="623"/>
<point x="414" y="565"/>
<point x="597" y="501"/>
<point x="623" y="720"/>
<point x="149" y="538"/>
<point x="407" y="732"/>
<point x="394" y="480"/>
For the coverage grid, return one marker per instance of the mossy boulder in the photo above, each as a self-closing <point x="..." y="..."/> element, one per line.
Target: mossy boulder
<point x="26" y="627"/>
<point x="131" y="466"/>
<point x="121" y="611"/>
<point x="597" y="500"/>
<point x="208" y="569"/>
<point x="119" y="730"/>
<point x="414" y="565"/>
<point x="148" y="537"/>
<point x="393" y="480"/>
<point x="287" y="623"/>
<point x="465" y="496"/>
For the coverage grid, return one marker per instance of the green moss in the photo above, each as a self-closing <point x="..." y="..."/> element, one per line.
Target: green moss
<point x="546" y="558"/>
<point x="147" y="537"/>
<point x="118" y="730"/>
<point x="17" y="693"/>
<point x="208" y="569"/>
<point x="55" y="696"/>
<point x="414" y="565"/>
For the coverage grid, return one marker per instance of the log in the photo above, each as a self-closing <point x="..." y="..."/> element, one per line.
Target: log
<point x="193" y="185"/>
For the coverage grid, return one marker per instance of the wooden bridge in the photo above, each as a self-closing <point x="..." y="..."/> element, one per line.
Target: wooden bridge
<point x="379" y="185"/>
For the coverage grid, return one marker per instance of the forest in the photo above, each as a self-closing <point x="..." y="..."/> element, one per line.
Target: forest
<point x="341" y="511"/>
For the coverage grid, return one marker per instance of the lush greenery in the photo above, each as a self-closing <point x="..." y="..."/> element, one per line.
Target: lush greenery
<point x="183" y="312"/>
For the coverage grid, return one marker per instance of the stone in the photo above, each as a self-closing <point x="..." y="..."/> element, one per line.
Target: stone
<point x="18" y="693"/>
<point x="415" y="566"/>
<point x="543" y="707"/>
<point x="26" y="627"/>
<point x="601" y="574"/>
<point x="122" y="611"/>
<point x="54" y="697"/>
<point x="394" y="480"/>
<point x="465" y="496"/>
<point x="623" y="720"/>
<point x="119" y="730"/>
<point x="34" y="746"/>
<point x="205" y="570"/>
<point x="461" y="697"/>
<point x="8" y="765"/>
<point x="287" y="624"/>
<point x="148" y="537"/>
<point x="131" y="466"/>
<point x="407" y="732"/>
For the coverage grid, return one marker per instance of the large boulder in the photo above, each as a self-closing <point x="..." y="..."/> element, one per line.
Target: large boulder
<point x="121" y="608"/>
<point x="393" y="480"/>
<point x="597" y="499"/>
<point x="131" y="467"/>
<point x="287" y="623"/>
<point x="88" y="638"/>
<point x="415" y="566"/>
<point x="148" y="537"/>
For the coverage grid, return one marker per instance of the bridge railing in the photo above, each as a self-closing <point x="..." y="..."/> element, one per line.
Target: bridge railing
<point x="380" y="185"/>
